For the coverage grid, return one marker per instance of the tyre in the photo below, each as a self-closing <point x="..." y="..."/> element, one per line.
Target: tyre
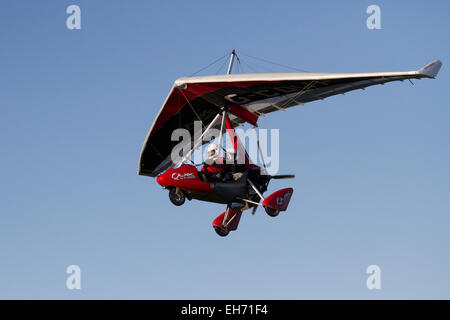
<point x="271" y="211"/>
<point x="177" y="198"/>
<point x="223" y="232"/>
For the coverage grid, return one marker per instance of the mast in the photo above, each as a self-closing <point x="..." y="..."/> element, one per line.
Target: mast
<point x="224" y="113"/>
<point x="230" y="65"/>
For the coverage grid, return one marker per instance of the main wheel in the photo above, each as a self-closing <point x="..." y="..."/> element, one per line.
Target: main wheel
<point x="221" y="231"/>
<point x="177" y="198"/>
<point x="271" y="211"/>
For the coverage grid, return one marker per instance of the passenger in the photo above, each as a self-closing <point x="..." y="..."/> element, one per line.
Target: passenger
<point x="233" y="170"/>
<point x="231" y="153"/>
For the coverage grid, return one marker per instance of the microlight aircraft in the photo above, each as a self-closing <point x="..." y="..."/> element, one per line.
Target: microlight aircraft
<point x="225" y="102"/>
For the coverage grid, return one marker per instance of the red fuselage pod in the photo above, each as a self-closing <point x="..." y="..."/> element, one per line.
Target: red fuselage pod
<point x="186" y="178"/>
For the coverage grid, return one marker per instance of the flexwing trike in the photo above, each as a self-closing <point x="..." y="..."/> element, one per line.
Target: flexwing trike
<point x="237" y="99"/>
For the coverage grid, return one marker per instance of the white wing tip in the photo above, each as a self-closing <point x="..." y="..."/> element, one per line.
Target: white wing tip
<point x="431" y="69"/>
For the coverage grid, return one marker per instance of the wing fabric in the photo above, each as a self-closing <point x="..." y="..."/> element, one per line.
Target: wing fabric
<point x="201" y="98"/>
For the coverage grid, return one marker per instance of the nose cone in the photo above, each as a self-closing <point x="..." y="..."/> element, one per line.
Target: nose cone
<point x="160" y="179"/>
<point x="163" y="179"/>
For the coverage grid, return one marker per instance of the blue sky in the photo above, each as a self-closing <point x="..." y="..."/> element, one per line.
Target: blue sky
<point x="372" y="167"/>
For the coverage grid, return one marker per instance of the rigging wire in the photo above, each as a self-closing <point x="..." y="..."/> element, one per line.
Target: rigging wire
<point x="209" y="65"/>
<point x="258" y="68"/>
<point x="239" y="66"/>
<point x="242" y="67"/>
<point x="239" y="62"/>
<point x="274" y="63"/>
<point x="249" y="66"/>
<point x="221" y="67"/>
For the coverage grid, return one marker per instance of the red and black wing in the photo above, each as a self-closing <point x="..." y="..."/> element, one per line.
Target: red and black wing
<point x="247" y="97"/>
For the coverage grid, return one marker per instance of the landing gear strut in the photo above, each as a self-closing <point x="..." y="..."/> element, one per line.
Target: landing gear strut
<point x="229" y="220"/>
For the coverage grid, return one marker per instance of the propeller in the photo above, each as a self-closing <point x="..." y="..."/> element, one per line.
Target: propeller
<point x="283" y="176"/>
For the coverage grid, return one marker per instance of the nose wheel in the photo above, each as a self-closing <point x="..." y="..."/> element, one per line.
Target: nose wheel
<point x="177" y="197"/>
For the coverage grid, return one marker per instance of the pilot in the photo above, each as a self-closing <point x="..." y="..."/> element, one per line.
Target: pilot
<point x="213" y="167"/>
<point x="212" y="151"/>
